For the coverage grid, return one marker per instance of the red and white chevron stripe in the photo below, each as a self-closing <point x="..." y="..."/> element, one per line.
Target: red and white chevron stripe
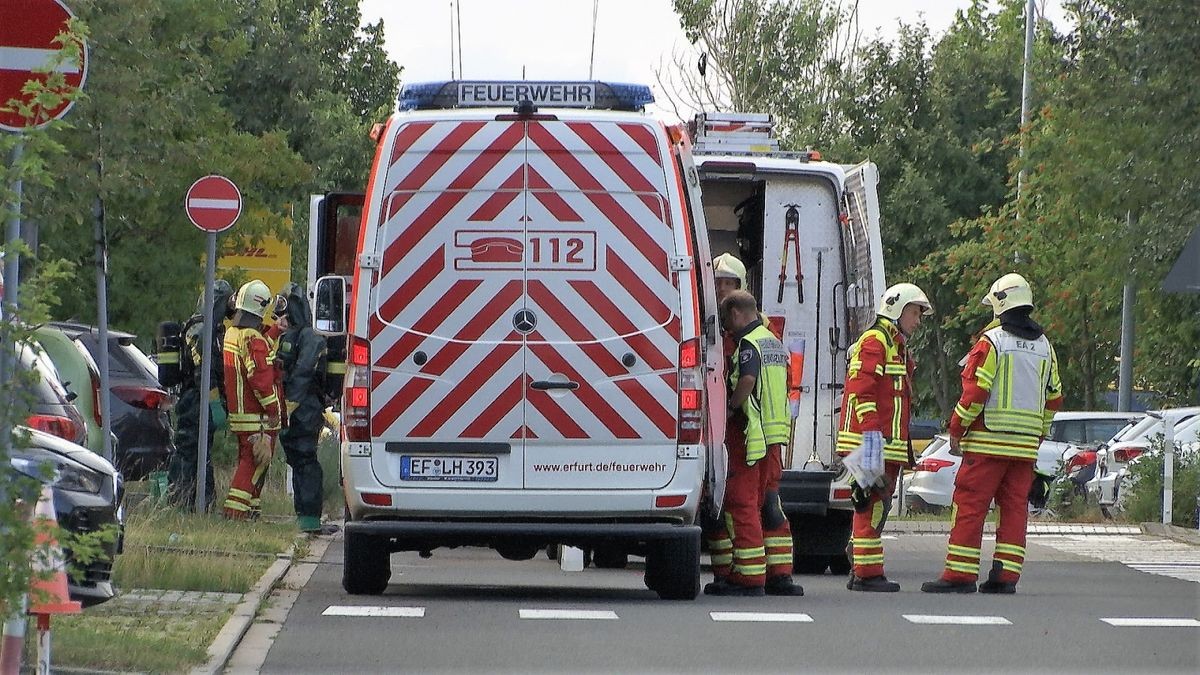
<point x="599" y="187"/>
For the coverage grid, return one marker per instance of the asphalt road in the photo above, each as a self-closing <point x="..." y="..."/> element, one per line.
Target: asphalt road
<point x="471" y="611"/>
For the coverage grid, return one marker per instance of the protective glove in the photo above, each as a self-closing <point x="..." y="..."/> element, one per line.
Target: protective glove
<point x="1039" y="491"/>
<point x="291" y="407"/>
<point x="263" y="448"/>
<point x="216" y="412"/>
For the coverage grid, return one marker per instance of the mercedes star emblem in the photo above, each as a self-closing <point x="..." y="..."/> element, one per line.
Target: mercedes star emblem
<point x="525" y="321"/>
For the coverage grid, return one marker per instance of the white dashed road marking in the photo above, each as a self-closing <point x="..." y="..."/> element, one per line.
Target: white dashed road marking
<point x="763" y="617"/>
<point x="369" y="610"/>
<point x="1157" y="623"/>
<point x="567" y="614"/>
<point x="943" y="620"/>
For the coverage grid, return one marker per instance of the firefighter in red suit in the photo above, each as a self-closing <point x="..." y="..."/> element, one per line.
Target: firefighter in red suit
<point x="1011" y="390"/>
<point x="876" y="407"/>
<point x="253" y="393"/>
<point x="755" y="527"/>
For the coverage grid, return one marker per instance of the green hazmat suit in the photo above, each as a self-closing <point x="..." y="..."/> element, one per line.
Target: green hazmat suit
<point x="301" y="356"/>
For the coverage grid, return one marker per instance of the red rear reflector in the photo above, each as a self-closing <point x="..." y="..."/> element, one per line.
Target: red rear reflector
<point x="689" y="354"/>
<point x="841" y="493"/>
<point x="669" y="501"/>
<point x="360" y="352"/>
<point x="358" y="397"/>
<point x="377" y="498"/>
<point x="689" y="399"/>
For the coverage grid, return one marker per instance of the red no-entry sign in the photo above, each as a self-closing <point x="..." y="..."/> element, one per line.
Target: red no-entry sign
<point x="213" y="203"/>
<point x="27" y="32"/>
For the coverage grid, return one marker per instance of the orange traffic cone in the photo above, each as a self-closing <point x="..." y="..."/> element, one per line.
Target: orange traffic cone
<point x="48" y="592"/>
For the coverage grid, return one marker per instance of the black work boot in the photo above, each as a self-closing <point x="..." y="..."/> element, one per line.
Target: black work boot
<point x="783" y="585"/>
<point x="724" y="587"/>
<point x="879" y="584"/>
<point x="994" y="586"/>
<point x="943" y="586"/>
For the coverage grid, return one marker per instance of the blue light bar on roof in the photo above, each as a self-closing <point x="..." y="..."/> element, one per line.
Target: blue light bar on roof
<point x="507" y="94"/>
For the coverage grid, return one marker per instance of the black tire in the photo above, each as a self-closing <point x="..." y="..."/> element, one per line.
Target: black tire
<point x="839" y="565"/>
<point x="810" y="564"/>
<point x="367" y="565"/>
<point x="610" y="559"/>
<point x="673" y="567"/>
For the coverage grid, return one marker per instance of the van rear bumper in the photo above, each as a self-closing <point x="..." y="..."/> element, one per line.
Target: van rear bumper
<point x="407" y="535"/>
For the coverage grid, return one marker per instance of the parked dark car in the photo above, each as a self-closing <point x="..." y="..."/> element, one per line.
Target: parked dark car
<point x="51" y="408"/>
<point x="138" y="404"/>
<point x="88" y="496"/>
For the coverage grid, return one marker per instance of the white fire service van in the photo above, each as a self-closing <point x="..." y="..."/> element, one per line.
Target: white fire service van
<point x="532" y="334"/>
<point x="808" y="232"/>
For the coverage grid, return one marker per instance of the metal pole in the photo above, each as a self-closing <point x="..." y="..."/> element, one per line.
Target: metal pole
<point x="102" y="324"/>
<point x="210" y="271"/>
<point x="1125" y="375"/>
<point x="12" y="261"/>
<point x="1026" y="86"/>
<point x="1168" y="467"/>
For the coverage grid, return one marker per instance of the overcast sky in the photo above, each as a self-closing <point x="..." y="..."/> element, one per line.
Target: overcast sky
<point x="551" y="39"/>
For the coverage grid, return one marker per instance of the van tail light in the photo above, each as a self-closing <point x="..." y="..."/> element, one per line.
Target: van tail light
<point x="356" y="416"/>
<point x="146" y="398"/>
<point x="55" y="425"/>
<point x="840" y="494"/>
<point x="932" y="464"/>
<point x="1125" y="455"/>
<point x="691" y="393"/>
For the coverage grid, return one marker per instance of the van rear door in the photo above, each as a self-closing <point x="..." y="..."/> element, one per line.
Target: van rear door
<point x="448" y="363"/>
<point x="602" y="358"/>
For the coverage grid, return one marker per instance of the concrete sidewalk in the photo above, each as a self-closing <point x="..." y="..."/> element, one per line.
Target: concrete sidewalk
<point x="943" y="527"/>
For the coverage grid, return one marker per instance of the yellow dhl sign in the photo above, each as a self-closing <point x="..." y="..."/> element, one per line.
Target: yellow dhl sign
<point x="269" y="260"/>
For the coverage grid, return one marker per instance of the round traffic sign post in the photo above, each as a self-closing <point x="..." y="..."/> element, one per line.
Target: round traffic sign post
<point x="28" y="29"/>
<point x="213" y="204"/>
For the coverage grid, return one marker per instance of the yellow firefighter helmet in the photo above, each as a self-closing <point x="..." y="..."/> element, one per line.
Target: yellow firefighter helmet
<point x="727" y="266"/>
<point x="254" y="297"/>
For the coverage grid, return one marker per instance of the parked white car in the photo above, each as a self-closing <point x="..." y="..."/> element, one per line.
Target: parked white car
<point x="1112" y="460"/>
<point x="1073" y="430"/>
<point x="930" y="485"/>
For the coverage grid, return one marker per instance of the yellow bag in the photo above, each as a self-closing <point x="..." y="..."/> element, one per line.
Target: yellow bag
<point x="264" y="449"/>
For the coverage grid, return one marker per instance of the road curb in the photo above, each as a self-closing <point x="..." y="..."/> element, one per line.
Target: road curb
<point x="1174" y="532"/>
<point x="243" y="615"/>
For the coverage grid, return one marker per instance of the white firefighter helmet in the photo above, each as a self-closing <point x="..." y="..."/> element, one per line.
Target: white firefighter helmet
<point x="254" y="297"/>
<point x="1008" y="292"/>
<point x="727" y="266"/>
<point x="897" y="297"/>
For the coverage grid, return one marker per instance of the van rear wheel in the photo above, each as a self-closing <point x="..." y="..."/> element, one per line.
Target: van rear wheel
<point x="673" y="567"/>
<point x="367" y="565"/>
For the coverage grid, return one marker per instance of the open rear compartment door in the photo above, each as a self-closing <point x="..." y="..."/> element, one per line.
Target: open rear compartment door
<point x="447" y="351"/>
<point x="602" y="359"/>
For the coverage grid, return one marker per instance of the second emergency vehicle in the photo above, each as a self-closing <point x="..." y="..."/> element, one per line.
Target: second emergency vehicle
<point x="808" y="233"/>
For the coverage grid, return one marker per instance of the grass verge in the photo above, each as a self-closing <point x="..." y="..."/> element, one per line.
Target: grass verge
<point x="168" y="549"/>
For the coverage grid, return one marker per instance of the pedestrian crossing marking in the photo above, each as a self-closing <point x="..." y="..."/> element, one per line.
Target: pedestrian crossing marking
<point x="946" y="619"/>
<point x="762" y="617"/>
<point x="1162" y="557"/>
<point x="567" y="614"/>
<point x="1142" y="622"/>
<point x="374" y="611"/>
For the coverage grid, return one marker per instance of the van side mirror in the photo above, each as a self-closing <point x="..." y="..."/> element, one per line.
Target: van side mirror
<point x="329" y="305"/>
